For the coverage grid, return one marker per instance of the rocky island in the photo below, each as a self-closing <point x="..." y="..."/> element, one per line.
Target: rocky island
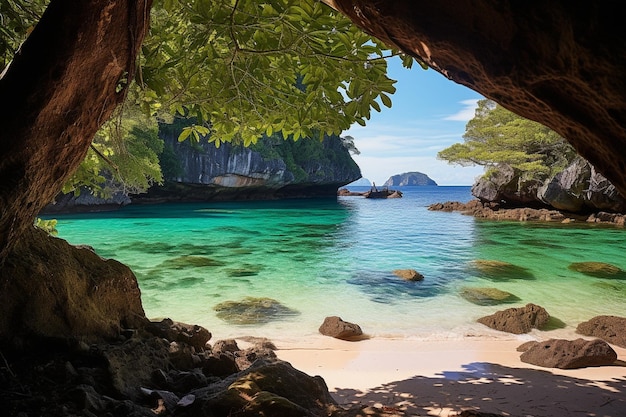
<point x="409" y="179"/>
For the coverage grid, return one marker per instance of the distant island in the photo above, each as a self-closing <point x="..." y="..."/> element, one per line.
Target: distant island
<point x="409" y="179"/>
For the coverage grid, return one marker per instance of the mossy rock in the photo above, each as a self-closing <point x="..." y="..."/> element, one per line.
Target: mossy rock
<point x="487" y="296"/>
<point x="499" y="270"/>
<point x="253" y="310"/>
<point x="598" y="270"/>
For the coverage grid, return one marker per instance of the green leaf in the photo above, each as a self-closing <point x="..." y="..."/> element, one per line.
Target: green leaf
<point x="185" y="134"/>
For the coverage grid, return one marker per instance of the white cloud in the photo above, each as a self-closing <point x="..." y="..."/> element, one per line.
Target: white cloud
<point x="466" y="114"/>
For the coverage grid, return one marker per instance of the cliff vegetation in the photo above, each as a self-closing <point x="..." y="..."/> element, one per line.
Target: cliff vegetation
<point x="528" y="164"/>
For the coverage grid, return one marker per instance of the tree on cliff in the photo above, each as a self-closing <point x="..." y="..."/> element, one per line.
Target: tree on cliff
<point x="497" y="136"/>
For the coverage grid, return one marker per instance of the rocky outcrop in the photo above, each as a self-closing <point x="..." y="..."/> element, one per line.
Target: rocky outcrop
<point x="517" y="320"/>
<point x="86" y="201"/>
<point x="493" y="211"/>
<point x="579" y="188"/>
<point x="334" y="326"/>
<point x="142" y="374"/>
<point x="409" y="179"/>
<point x="568" y="354"/>
<point x="611" y="329"/>
<point x="52" y="289"/>
<point x="556" y="64"/>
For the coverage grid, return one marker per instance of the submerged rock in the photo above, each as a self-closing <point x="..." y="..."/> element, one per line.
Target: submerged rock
<point x="334" y="326"/>
<point x="611" y="329"/>
<point x="568" y="354"/>
<point x="189" y="261"/>
<point x="517" y="320"/>
<point x="598" y="269"/>
<point x="486" y="296"/>
<point x="499" y="270"/>
<point x="253" y="310"/>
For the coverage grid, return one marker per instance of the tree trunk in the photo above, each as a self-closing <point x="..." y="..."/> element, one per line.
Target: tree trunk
<point x="66" y="80"/>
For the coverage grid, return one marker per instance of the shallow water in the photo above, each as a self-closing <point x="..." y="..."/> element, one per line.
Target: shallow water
<point x="336" y="256"/>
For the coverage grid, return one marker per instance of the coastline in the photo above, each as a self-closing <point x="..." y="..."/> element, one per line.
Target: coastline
<point x="444" y="377"/>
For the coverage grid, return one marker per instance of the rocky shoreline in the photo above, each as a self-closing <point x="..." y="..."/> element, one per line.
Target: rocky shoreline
<point x="494" y="211"/>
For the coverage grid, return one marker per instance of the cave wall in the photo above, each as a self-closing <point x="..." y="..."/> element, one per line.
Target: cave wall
<point x="560" y="63"/>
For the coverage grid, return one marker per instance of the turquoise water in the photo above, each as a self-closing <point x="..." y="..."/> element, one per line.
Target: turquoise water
<point x="336" y="256"/>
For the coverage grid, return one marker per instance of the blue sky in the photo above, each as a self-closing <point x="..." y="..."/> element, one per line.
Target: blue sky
<point x="429" y="114"/>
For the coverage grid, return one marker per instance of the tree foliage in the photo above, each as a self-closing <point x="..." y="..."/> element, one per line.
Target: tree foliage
<point x="244" y="68"/>
<point x="497" y="136"/>
<point x="241" y="69"/>
<point x="124" y="157"/>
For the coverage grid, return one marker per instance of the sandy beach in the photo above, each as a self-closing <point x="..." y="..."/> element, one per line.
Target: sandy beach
<point x="442" y="378"/>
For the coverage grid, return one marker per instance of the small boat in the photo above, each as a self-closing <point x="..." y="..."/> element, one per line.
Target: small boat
<point x="384" y="193"/>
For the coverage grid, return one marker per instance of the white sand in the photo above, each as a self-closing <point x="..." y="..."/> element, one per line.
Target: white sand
<point x="442" y="378"/>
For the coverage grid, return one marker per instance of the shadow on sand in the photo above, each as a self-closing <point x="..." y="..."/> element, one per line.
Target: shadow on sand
<point x="493" y="388"/>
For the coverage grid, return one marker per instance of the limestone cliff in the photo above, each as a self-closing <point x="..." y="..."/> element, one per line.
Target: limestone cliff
<point x="409" y="179"/>
<point x="272" y="168"/>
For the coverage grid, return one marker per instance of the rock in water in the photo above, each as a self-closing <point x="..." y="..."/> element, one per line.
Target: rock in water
<point x="409" y="274"/>
<point x="253" y="310"/>
<point x="568" y="354"/>
<point x="598" y="269"/>
<point x="611" y="329"/>
<point x="335" y="327"/>
<point x="487" y="296"/>
<point x="517" y="320"/>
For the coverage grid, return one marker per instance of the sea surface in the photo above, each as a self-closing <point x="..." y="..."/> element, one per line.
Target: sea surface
<point x="313" y="258"/>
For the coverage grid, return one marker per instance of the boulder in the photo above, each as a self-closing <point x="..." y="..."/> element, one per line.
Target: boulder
<point x="611" y="329"/>
<point x="260" y="347"/>
<point x="191" y="334"/>
<point x="505" y="184"/>
<point x="334" y="326"/>
<point x="486" y="296"/>
<point x="52" y="289"/>
<point x="568" y="354"/>
<point x="567" y="189"/>
<point x="408" y="274"/>
<point x="517" y="320"/>
<point x="270" y="387"/>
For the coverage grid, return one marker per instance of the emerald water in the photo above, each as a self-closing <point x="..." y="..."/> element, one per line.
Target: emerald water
<point x="336" y="256"/>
